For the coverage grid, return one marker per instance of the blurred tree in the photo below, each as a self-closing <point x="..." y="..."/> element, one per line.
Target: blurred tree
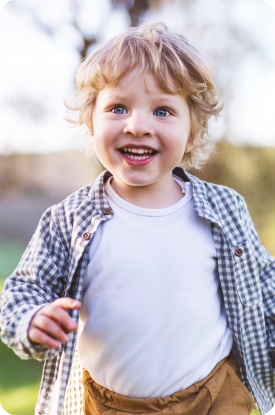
<point x="225" y="31"/>
<point x="135" y="9"/>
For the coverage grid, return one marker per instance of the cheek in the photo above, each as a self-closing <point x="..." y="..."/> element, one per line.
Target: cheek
<point x="103" y="149"/>
<point x="98" y="147"/>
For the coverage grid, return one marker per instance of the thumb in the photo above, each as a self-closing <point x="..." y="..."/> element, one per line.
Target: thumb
<point x="68" y="303"/>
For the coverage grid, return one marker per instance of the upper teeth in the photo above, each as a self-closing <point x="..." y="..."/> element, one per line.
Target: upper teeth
<point x="138" y="150"/>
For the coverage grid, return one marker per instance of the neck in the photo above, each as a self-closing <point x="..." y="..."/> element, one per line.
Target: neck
<point x="150" y="197"/>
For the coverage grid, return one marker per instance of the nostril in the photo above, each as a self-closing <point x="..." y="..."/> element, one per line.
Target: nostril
<point x="138" y="127"/>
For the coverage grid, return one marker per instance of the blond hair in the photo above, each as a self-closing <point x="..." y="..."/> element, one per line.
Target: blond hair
<point x="174" y="63"/>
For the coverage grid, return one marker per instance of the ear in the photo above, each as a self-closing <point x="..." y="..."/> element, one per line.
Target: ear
<point x="189" y="145"/>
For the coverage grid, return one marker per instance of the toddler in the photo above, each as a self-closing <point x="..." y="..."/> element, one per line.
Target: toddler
<point x="147" y="291"/>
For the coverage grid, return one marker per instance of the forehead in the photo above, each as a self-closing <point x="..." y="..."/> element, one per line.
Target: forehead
<point x="136" y="79"/>
<point x="140" y="80"/>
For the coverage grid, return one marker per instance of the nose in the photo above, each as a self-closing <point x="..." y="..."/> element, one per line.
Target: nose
<point x="138" y="124"/>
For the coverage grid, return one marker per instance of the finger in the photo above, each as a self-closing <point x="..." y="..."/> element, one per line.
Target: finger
<point x="50" y="327"/>
<point x="67" y="303"/>
<point x="52" y="322"/>
<point x="60" y="316"/>
<point x="39" y="337"/>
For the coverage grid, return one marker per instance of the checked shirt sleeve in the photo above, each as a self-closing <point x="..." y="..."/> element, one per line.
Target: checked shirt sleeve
<point x="38" y="279"/>
<point x="266" y="267"/>
<point x="268" y="290"/>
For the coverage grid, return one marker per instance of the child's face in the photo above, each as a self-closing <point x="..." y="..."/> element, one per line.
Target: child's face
<point x="140" y="133"/>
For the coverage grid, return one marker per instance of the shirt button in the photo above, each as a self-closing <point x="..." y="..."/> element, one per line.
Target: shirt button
<point x="86" y="236"/>
<point x="106" y="211"/>
<point x="238" y="252"/>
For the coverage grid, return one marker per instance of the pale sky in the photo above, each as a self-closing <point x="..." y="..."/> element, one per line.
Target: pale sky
<point x="37" y="72"/>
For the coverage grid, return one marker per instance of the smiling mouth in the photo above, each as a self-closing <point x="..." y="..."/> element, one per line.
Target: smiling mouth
<point x="137" y="153"/>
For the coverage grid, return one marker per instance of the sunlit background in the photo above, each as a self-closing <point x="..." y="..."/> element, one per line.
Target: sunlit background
<point x="41" y="157"/>
<point x="41" y="45"/>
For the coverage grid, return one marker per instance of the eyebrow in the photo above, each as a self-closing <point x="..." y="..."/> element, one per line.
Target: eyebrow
<point x="118" y="96"/>
<point x="163" y="97"/>
<point x="159" y="98"/>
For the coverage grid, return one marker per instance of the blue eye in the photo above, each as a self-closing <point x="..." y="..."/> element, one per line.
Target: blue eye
<point x="161" y="112"/>
<point x="119" y="109"/>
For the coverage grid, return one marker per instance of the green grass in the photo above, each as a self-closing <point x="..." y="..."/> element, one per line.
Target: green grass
<point x="10" y="253"/>
<point x="19" y="382"/>
<point x="20" y="401"/>
<point x="19" y="379"/>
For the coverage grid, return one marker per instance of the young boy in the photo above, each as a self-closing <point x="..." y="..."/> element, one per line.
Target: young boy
<point x="165" y="274"/>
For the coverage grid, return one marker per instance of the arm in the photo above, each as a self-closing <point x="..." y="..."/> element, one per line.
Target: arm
<point x="268" y="289"/>
<point x="266" y="267"/>
<point x="39" y="279"/>
<point x="268" y="292"/>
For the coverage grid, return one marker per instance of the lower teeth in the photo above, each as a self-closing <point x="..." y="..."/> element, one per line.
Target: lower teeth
<point x="137" y="157"/>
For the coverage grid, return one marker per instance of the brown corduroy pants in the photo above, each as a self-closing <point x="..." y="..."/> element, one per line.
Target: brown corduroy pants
<point x="220" y="393"/>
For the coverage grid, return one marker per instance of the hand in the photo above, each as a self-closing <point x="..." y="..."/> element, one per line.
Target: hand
<point x="51" y="324"/>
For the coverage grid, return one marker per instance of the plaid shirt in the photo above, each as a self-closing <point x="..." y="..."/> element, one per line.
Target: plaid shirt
<point x="55" y="263"/>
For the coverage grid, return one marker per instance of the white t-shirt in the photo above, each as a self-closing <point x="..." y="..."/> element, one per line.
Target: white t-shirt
<point x="152" y="313"/>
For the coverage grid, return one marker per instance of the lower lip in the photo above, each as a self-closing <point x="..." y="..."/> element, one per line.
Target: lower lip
<point x="137" y="162"/>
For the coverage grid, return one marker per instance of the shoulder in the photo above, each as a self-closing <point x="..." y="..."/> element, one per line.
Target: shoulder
<point x="66" y="209"/>
<point x="72" y="202"/>
<point x="212" y="192"/>
<point x="220" y="204"/>
<point x="57" y="222"/>
<point x="77" y="207"/>
<point x="89" y="196"/>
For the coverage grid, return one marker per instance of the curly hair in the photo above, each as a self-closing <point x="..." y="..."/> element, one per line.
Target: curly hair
<point x="177" y="67"/>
